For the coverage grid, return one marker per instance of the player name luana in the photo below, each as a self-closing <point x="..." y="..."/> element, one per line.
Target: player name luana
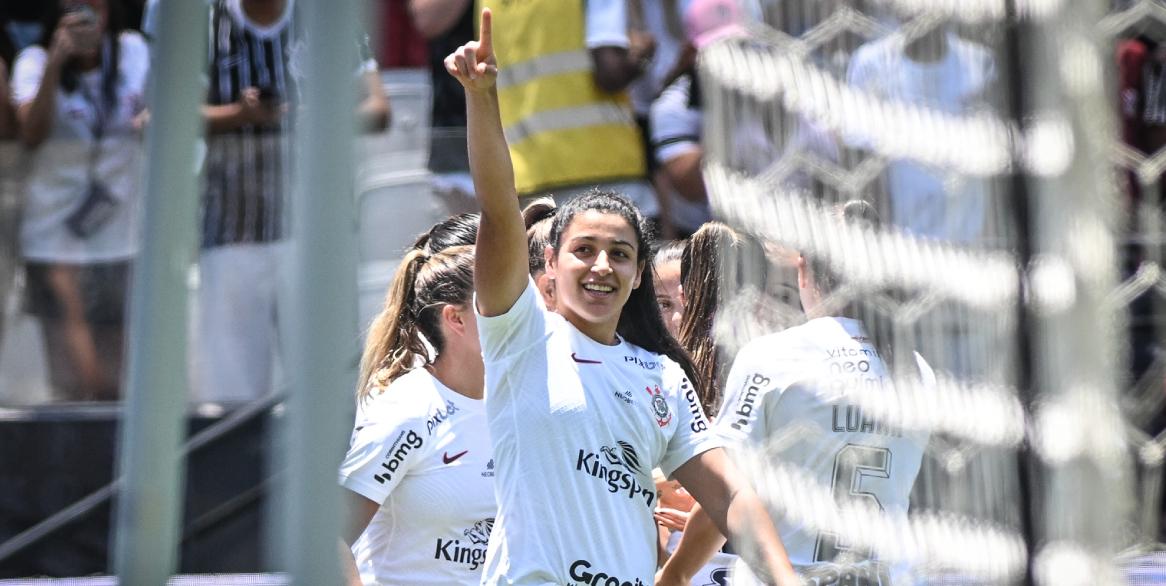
<point x="851" y="419"/>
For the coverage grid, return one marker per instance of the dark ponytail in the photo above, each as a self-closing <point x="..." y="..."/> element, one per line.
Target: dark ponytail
<point x="639" y="321"/>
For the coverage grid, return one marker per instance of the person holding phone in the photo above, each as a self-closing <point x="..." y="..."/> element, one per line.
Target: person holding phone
<point x="77" y="99"/>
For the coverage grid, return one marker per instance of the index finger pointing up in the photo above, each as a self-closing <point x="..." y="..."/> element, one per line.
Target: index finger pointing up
<point x="485" y="37"/>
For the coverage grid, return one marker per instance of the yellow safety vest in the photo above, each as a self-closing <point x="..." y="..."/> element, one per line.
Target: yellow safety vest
<point x="562" y="129"/>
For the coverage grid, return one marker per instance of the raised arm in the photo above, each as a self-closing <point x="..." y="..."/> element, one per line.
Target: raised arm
<point x="500" y="265"/>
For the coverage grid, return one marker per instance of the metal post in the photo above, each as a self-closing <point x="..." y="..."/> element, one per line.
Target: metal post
<point x="322" y="342"/>
<point x="1079" y="433"/>
<point x="146" y="542"/>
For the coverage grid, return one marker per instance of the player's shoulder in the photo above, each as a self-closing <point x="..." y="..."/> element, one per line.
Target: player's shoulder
<point x="766" y="347"/>
<point x="410" y="397"/>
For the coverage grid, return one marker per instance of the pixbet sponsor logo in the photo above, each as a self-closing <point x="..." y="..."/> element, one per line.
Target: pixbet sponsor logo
<point x="748" y="402"/>
<point x="581" y="571"/>
<point x="618" y="467"/>
<point x="406" y="442"/>
<point x="439" y="415"/>
<point x="472" y="552"/>
<point x="644" y="364"/>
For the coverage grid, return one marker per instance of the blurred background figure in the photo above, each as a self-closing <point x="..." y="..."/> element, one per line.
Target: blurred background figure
<point x="8" y="170"/>
<point x="79" y="96"/>
<point x="946" y="73"/>
<point x="563" y="93"/>
<point x="256" y="50"/>
<point x="447" y="25"/>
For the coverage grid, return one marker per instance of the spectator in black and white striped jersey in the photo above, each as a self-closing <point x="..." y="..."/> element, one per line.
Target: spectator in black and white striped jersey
<point x="253" y="77"/>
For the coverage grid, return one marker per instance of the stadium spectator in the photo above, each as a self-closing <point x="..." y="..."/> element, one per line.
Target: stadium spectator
<point x="419" y="473"/>
<point x="256" y="63"/>
<point x="563" y="92"/>
<point x="79" y="101"/>
<point x="784" y="394"/>
<point x="945" y="73"/>
<point x="447" y="25"/>
<point x="571" y="433"/>
<point x="9" y="222"/>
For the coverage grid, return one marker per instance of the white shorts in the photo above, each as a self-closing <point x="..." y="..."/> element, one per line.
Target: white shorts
<point x="235" y="342"/>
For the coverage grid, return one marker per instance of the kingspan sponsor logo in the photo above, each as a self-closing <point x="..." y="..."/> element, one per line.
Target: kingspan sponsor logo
<point x="472" y="551"/>
<point x="439" y="415"/>
<point x="406" y="442"/>
<point x="583" y="573"/>
<point x="619" y="468"/>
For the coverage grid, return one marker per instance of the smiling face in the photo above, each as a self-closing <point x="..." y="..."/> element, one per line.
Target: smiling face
<point x="595" y="270"/>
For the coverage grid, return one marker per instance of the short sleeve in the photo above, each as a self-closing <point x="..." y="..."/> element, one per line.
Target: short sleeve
<point x="693" y="434"/>
<point x="607" y="23"/>
<point x="135" y="58"/>
<point x="380" y="454"/>
<point x="675" y="126"/>
<point x="27" y="72"/>
<point x="522" y="326"/>
<point x="741" y="418"/>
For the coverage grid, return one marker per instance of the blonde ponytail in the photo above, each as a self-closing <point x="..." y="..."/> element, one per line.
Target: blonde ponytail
<point x="396" y="341"/>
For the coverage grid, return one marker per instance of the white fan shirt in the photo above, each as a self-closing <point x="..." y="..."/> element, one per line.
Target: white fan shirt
<point x="422" y="451"/>
<point x="577" y="428"/>
<point x="791" y="395"/>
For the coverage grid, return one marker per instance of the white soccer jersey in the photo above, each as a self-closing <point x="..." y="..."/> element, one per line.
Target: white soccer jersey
<point x="422" y="450"/>
<point x="790" y="393"/>
<point x="577" y="428"/>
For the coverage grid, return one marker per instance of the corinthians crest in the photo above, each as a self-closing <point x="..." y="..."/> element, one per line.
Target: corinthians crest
<point x="659" y="406"/>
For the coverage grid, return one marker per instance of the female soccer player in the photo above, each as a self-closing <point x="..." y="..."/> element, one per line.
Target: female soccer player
<point x="538" y="216"/>
<point x="803" y="386"/>
<point x="419" y="470"/>
<point x="583" y="402"/>
<point x="666" y="282"/>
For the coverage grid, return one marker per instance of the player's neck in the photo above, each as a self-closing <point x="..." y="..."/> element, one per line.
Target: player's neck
<point x="929" y="48"/>
<point x="264" y="12"/>
<point x="461" y="372"/>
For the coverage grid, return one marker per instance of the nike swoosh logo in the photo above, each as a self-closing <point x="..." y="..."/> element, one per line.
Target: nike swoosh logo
<point x="584" y="360"/>
<point x="450" y="459"/>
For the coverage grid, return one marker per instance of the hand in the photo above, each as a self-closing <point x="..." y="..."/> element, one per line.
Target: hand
<point x="641" y="47"/>
<point x="76" y="36"/>
<point x="473" y="64"/>
<point x="254" y="110"/>
<point x="671" y="518"/>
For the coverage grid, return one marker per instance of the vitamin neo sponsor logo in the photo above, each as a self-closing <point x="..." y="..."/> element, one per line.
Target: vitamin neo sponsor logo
<point x="618" y="467"/>
<point x="472" y="551"/>
<point x="406" y="442"/>
<point x="582" y="572"/>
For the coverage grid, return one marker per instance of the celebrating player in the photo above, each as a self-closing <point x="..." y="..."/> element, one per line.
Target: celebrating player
<point x="419" y="471"/>
<point x="796" y="393"/>
<point x="585" y="401"/>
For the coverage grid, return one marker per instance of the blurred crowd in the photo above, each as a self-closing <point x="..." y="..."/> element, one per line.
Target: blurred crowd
<point x="609" y="96"/>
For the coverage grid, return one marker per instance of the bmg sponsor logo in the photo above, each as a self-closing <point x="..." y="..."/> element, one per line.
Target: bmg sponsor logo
<point x="471" y="554"/>
<point x="406" y="442"/>
<point x="748" y="402"/>
<point x="699" y="421"/>
<point x="617" y="466"/>
<point x="581" y="571"/>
